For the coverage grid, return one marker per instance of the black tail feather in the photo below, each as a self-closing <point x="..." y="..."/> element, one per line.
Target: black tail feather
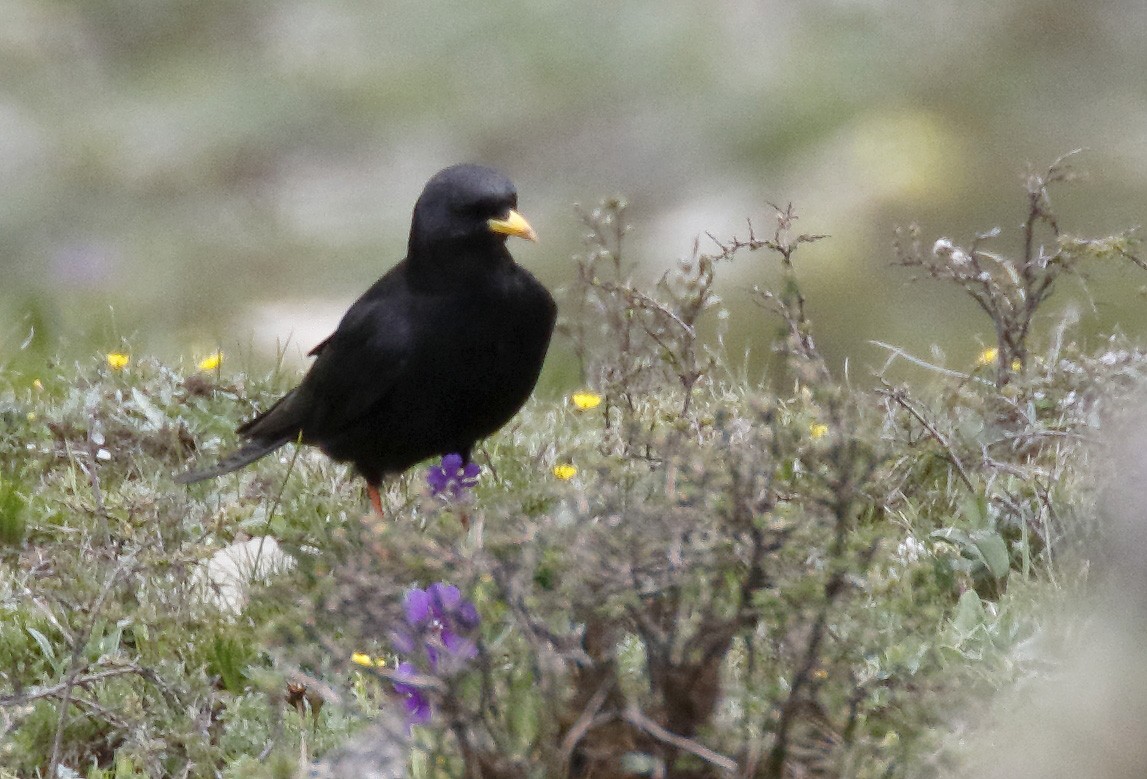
<point x="245" y="455"/>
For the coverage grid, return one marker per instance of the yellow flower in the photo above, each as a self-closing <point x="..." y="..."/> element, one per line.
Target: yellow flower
<point x="988" y="356"/>
<point x="210" y="362"/>
<point x="38" y="385"/>
<point x="565" y="471"/>
<point x="117" y="361"/>
<point x="585" y="400"/>
<point x="366" y="661"/>
<point x="817" y="430"/>
<point x="991" y="354"/>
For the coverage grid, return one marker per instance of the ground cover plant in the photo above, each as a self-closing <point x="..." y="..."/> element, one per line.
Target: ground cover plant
<point x="679" y="571"/>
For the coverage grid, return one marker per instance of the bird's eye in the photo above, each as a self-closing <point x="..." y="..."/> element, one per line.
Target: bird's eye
<point x="477" y="210"/>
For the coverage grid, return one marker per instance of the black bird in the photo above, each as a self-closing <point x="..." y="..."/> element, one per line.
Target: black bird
<point x="441" y="351"/>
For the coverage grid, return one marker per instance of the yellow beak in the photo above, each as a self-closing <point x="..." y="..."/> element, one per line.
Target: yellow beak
<point x="513" y="224"/>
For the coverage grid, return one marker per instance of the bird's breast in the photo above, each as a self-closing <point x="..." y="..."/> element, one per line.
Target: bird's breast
<point x="487" y="351"/>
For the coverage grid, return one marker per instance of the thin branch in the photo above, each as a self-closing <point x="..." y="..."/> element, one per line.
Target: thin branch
<point x="637" y="719"/>
<point x="896" y="351"/>
<point x="898" y="398"/>
<point x="74" y="663"/>
<point x="586" y="719"/>
<point x="56" y="689"/>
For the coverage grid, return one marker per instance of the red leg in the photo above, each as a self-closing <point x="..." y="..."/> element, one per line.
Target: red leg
<point x="375" y="499"/>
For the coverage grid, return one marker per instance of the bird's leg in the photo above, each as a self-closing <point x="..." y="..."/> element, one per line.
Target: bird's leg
<point x="375" y="499"/>
<point x="464" y="514"/>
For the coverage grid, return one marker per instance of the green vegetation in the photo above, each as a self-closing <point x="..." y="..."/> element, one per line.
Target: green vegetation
<point x="692" y="577"/>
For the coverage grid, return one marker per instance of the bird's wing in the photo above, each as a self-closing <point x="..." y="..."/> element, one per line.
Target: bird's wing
<point x="354" y="369"/>
<point x="359" y="364"/>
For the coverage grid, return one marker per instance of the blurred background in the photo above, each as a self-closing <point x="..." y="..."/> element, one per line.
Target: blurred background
<point x="182" y="176"/>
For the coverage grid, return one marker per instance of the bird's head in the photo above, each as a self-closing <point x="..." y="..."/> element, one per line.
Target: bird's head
<point x="464" y="209"/>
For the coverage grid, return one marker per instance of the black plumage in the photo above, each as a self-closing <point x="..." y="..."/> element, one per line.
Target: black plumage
<point x="440" y="352"/>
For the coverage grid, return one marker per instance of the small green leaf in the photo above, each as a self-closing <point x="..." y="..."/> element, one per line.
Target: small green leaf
<point x="994" y="552"/>
<point x="45" y="644"/>
<point x="13" y="517"/>
<point x="954" y="536"/>
<point x="975" y="510"/>
<point x="969" y="614"/>
<point x="156" y="419"/>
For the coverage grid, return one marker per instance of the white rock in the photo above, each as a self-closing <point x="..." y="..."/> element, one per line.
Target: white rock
<point x="226" y="577"/>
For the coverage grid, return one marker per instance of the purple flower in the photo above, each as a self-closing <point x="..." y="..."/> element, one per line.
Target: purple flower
<point x="451" y="480"/>
<point x="417" y="706"/>
<point x="416" y="604"/>
<point x="442" y="623"/>
<point x="441" y="630"/>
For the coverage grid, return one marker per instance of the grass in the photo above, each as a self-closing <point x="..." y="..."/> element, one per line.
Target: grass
<point x="731" y="581"/>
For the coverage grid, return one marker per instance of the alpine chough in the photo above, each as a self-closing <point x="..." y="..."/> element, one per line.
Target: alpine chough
<point x="440" y="352"/>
